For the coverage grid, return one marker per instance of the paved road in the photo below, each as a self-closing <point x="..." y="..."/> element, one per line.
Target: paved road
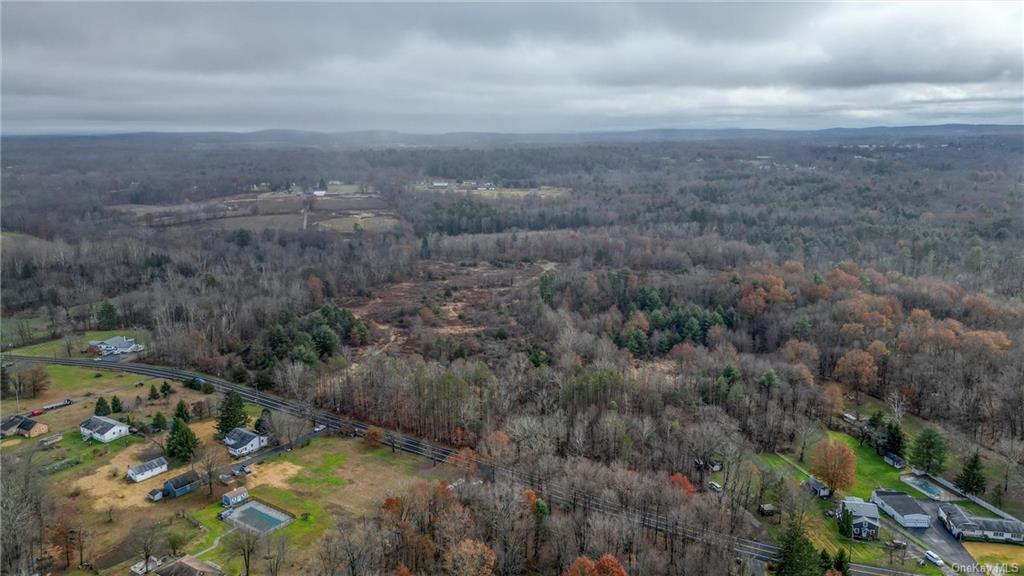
<point x="553" y="492"/>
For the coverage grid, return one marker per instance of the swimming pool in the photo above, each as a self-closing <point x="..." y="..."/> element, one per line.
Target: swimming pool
<point x="258" y="517"/>
<point x="932" y="490"/>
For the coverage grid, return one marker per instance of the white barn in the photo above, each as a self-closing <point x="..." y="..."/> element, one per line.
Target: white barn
<point x="903" y="508"/>
<point x="241" y="442"/>
<point x="103" y="429"/>
<point x="147" y="470"/>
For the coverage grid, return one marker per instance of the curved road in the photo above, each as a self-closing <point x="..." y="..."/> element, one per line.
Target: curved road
<point x="438" y="453"/>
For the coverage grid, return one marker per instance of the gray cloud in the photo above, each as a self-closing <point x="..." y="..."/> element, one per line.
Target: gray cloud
<point x="506" y="67"/>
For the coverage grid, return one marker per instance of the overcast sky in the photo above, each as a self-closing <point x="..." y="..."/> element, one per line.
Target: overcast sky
<point x="100" y="67"/>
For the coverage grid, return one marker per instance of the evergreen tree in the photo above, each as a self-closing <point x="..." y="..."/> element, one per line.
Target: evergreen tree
<point x="102" y="408"/>
<point x="182" y="441"/>
<point x="797" y="556"/>
<point x="824" y="560"/>
<point x="842" y="562"/>
<point x="325" y="340"/>
<point x="894" y="438"/>
<point x="166" y="389"/>
<point x="115" y="405"/>
<point x="153" y="394"/>
<point x="182" y="411"/>
<point x="159" y="420"/>
<point x="232" y="413"/>
<point x="972" y="478"/>
<point x="845" y="521"/>
<point x="929" y="451"/>
<point x="106" y="316"/>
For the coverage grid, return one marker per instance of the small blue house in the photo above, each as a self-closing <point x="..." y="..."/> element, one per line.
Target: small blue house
<point x="181" y="485"/>
<point x="236" y="496"/>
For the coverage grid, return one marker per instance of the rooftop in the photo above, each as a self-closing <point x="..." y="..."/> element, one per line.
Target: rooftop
<point x="190" y="477"/>
<point x="239" y="437"/>
<point x="901" y="502"/>
<point x="147" y="466"/>
<point x="100" y="424"/>
<point x="860" y="508"/>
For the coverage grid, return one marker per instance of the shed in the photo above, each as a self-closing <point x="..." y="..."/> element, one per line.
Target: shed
<point x="181" y="485"/>
<point x="767" y="510"/>
<point x="147" y="470"/>
<point x="894" y="460"/>
<point x="817" y="488"/>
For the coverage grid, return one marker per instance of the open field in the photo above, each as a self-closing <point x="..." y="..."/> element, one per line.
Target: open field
<point x="496" y="192"/>
<point x="994" y="556"/>
<point x="331" y="480"/>
<point x="368" y="221"/>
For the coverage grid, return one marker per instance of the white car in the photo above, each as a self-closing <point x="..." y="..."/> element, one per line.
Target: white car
<point x="319" y="428"/>
<point x="934" y="558"/>
<point x="715" y="486"/>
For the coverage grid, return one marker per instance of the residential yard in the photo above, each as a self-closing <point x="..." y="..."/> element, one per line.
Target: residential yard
<point x="79" y="343"/>
<point x="333" y="479"/>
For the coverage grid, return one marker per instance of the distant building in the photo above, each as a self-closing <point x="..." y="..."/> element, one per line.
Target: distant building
<point x="181" y="485"/>
<point x="116" y="345"/>
<point x="143" y="567"/>
<point x="241" y="441"/>
<point x="439" y="184"/>
<point x="147" y="470"/>
<point x="189" y="566"/>
<point x="319" y="193"/>
<point x="966" y="527"/>
<point x="817" y="488"/>
<point x="22" y="426"/>
<point x="235" y="497"/>
<point x="902" y="507"/>
<point x="103" y="429"/>
<point x="865" y="517"/>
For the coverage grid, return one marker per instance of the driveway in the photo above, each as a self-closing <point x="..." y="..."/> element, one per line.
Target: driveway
<point x="939" y="539"/>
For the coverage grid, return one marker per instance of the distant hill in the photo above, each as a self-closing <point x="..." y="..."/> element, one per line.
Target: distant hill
<point x="393" y="139"/>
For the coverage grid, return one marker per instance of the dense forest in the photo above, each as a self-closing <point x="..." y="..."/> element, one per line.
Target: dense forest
<point x="685" y="302"/>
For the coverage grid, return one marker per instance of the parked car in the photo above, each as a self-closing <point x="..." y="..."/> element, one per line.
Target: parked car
<point x="37" y="411"/>
<point x="224" y="514"/>
<point x="715" y="486"/>
<point x="934" y="558"/>
<point x="319" y="428"/>
<point x="247" y="469"/>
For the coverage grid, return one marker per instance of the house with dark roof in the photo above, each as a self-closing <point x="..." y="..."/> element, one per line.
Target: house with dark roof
<point x="903" y="508"/>
<point x="241" y="441"/>
<point x="147" y="470"/>
<point x="183" y="484"/>
<point x="817" y="487"/>
<point x="894" y="460"/>
<point x="865" y="517"/>
<point x="103" y="429"/>
<point x="189" y="566"/>
<point x="22" y="426"/>
<point x="963" y="526"/>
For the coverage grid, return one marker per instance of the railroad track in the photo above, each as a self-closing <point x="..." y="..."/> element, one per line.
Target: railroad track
<point x="762" y="551"/>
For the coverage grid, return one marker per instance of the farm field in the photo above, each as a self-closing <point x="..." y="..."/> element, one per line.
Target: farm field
<point x="364" y="221"/>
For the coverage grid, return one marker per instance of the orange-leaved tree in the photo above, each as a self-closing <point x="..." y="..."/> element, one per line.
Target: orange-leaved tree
<point x="834" y="463"/>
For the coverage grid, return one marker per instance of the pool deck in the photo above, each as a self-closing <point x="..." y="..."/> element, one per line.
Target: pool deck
<point x="933" y="490"/>
<point x="259" y="510"/>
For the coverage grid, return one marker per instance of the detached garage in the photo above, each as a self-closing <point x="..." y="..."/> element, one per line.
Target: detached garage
<point x="903" y="508"/>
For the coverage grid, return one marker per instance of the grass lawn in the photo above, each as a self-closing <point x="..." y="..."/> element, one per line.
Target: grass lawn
<point x="11" y="329"/>
<point x="996" y="554"/>
<point x="58" y="349"/>
<point x="88" y="452"/>
<point x="872" y="471"/>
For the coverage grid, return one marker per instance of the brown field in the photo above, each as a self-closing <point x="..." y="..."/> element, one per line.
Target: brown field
<point x="369" y="221"/>
<point x="353" y="202"/>
<point x="495" y="193"/>
<point x="993" y="556"/>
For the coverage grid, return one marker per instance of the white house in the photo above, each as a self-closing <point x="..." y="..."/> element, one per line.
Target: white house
<point x="103" y="429"/>
<point x="116" y="345"/>
<point x="147" y="470"/>
<point x="236" y="496"/>
<point x="319" y="193"/>
<point x="143" y="567"/>
<point x="241" y="441"/>
<point x="965" y="527"/>
<point x="903" y="508"/>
